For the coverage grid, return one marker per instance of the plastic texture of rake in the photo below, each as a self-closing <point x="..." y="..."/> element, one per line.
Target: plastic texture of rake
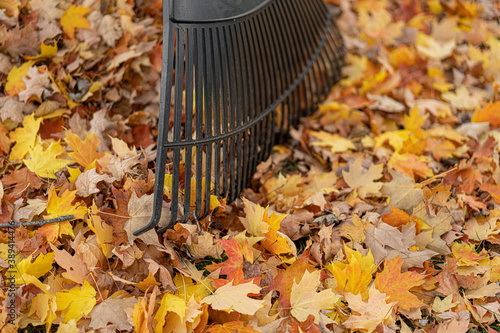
<point x="236" y="75"/>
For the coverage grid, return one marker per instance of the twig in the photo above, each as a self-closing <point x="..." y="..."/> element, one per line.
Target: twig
<point x="39" y="222"/>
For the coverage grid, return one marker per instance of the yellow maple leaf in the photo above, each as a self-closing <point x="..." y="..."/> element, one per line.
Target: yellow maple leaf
<point x="274" y="242"/>
<point x="147" y="282"/>
<point x="25" y="137"/>
<point x="85" y="151"/>
<point x="305" y="301"/>
<point x="103" y="231"/>
<point x="355" y="232"/>
<point x="74" y="17"/>
<point x="44" y="161"/>
<point x="335" y="142"/>
<point x="78" y="301"/>
<point x="354" y="276"/>
<point x="41" y="265"/>
<point x="63" y="205"/>
<point x="169" y="303"/>
<point x="15" y="83"/>
<point x="47" y="51"/>
<point x="254" y="219"/>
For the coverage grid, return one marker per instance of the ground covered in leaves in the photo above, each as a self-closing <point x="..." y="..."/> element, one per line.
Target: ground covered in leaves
<point x="382" y="211"/>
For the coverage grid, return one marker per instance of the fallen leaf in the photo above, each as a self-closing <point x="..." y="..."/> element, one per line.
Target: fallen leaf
<point x="370" y="314"/>
<point x="362" y="181"/>
<point x="235" y="298"/>
<point x="397" y="285"/>
<point x="305" y="301"/>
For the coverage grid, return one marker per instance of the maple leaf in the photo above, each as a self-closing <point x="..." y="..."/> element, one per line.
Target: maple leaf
<point x="112" y="311"/>
<point x="403" y="191"/>
<point x="25" y="137"/>
<point x="234" y="252"/>
<point x="372" y="313"/>
<point x="15" y="83"/>
<point x="432" y="49"/>
<point x="35" y="82"/>
<point x="44" y="161"/>
<point x="355" y="232"/>
<point x="47" y="51"/>
<point x="78" y="301"/>
<point x="285" y="279"/>
<point x="275" y="242"/>
<point x="230" y="327"/>
<point x="364" y="183"/>
<point x="86" y="183"/>
<point x="355" y="276"/>
<point x="435" y="226"/>
<point x="235" y="298"/>
<point x="74" y="17"/>
<point x="396" y="218"/>
<point x="140" y="211"/>
<point x="169" y="303"/>
<point x="462" y="99"/>
<point x="254" y="219"/>
<point x="63" y="204"/>
<point x="335" y="142"/>
<point x="305" y="301"/>
<point x="490" y="113"/>
<point x="397" y="285"/>
<point x="103" y="231"/>
<point x="36" y="268"/>
<point x="84" y="151"/>
<point x="76" y="269"/>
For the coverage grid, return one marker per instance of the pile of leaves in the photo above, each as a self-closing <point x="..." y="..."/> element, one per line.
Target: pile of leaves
<point x="381" y="214"/>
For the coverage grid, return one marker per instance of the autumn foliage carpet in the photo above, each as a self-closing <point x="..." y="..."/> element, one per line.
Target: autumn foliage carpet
<point x="381" y="214"/>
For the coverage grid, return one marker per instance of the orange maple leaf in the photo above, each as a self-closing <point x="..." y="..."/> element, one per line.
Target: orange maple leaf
<point x="490" y="113"/>
<point x="15" y="83"/>
<point x="74" y="17"/>
<point x="85" y="152"/>
<point x="397" y="285"/>
<point x="63" y="205"/>
<point x="396" y="217"/>
<point x="284" y="280"/>
<point x="235" y="253"/>
<point x="273" y="242"/>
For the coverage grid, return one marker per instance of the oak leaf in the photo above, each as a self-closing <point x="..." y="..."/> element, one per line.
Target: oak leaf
<point x="78" y="301"/>
<point x="397" y="285"/>
<point x="305" y="301"/>
<point x="235" y="298"/>
<point x="370" y="314"/>
<point x="74" y="17"/>
<point x="363" y="182"/>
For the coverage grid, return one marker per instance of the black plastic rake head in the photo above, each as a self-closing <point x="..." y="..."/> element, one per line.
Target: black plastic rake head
<point x="242" y="73"/>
